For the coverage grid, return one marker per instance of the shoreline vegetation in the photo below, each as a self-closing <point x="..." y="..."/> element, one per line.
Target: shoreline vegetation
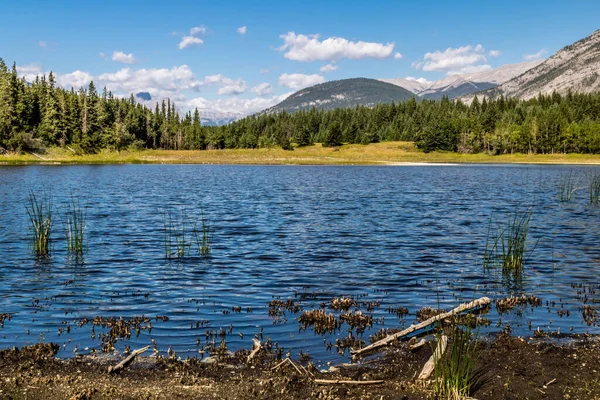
<point x="384" y="153"/>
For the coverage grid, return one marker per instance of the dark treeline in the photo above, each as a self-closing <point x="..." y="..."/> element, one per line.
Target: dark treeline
<point x="34" y="115"/>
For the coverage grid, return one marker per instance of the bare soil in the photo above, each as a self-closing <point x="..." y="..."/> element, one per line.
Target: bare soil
<point x="511" y="368"/>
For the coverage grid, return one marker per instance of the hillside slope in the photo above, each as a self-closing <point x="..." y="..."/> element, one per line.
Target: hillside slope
<point x="342" y="94"/>
<point x="574" y="68"/>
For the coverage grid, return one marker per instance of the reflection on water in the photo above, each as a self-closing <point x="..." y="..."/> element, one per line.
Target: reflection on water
<point x="402" y="236"/>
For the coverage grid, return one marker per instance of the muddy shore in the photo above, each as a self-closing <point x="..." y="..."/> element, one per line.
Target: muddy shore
<point x="509" y="368"/>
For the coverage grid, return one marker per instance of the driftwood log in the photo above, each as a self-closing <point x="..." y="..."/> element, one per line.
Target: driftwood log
<point x="437" y="354"/>
<point x="255" y="349"/>
<point x="417" y="345"/>
<point x="123" y="364"/>
<point x="482" y="302"/>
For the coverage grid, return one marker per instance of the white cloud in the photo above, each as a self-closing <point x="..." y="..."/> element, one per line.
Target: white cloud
<point x="158" y="82"/>
<point x="454" y="61"/>
<point x="535" y="56"/>
<point x="30" y="71"/>
<point x="242" y="30"/>
<point x="121" y="57"/>
<point x="328" y="68"/>
<point x="397" y="56"/>
<point x="471" y="69"/>
<point x="192" y="39"/>
<point x="235" y="105"/>
<point x="42" y="43"/>
<point x="188" y="41"/>
<point x="228" y="85"/>
<point x="310" y="48"/>
<point x="262" y="89"/>
<point x="74" y="79"/>
<point x="198" y="29"/>
<point x="102" y="55"/>
<point x="494" y="53"/>
<point x="265" y="71"/>
<point x="300" y="81"/>
<point x="422" y="81"/>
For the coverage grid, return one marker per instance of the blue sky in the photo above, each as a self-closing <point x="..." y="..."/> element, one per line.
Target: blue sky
<point x="153" y="46"/>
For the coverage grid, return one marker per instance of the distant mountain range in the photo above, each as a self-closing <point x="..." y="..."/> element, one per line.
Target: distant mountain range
<point x="342" y="94"/>
<point x="574" y="68"/>
<point x="461" y="85"/>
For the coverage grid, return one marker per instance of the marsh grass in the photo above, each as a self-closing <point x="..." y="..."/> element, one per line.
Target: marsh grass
<point x="203" y="235"/>
<point x="39" y="211"/>
<point x="176" y="234"/>
<point x="567" y="185"/>
<point x="182" y="231"/>
<point x="75" y="227"/>
<point x="594" y="186"/>
<point x="506" y="244"/>
<point x="454" y="372"/>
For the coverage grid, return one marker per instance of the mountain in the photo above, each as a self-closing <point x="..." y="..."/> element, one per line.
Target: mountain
<point x="144" y="96"/>
<point x="464" y="84"/>
<point x="342" y="94"/>
<point x="573" y="68"/>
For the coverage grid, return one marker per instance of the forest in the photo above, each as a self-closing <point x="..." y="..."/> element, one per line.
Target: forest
<point x="40" y="114"/>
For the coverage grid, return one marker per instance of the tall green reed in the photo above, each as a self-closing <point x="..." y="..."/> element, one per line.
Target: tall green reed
<point x="506" y="244"/>
<point x="594" y="186"/>
<point x="176" y="234"/>
<point x="75" y="227"/>
<point x="39" y="212"/>
<point x="454" y="372"/>
<point x="203" y="235"/>
<point x="567" y="185"/>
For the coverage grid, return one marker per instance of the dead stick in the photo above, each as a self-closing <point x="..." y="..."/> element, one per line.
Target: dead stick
<point x="417" y="345"/>
<point x="341" y="382"/>
<point x="257" y="347"/>
<point x="123" y="364"/>
<point x="484" y="301"/>
<point x="38" y="156"/>
<point x="437" y="354"/>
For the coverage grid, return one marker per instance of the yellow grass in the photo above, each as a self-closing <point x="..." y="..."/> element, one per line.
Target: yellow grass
<point x="387" y="153"/>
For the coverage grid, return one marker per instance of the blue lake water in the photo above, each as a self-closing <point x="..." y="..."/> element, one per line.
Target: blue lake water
<point x="408" y="236"/>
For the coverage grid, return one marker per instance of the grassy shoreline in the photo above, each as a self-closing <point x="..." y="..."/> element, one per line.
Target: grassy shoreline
<point x="387" y="153"/>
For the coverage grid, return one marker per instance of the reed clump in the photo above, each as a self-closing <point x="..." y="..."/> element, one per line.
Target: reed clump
<point x="506" y="244"/>
<point x="594" y="187"/>
<point x="76" y="218"/>
<point x="39" y="211"/>
<point x="567" y="185"/>
<point x="454" y="372"/>
<point x="182" y="232"/>
<point x="203" y="236"/>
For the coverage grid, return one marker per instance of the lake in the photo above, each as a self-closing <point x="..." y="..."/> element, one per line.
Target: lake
<point x="389" y="236"/>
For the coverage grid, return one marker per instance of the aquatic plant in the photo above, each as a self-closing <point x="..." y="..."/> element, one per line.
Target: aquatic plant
<point x="567" y="185"/>
<point x="39" y="212"/>
<point x="594" y="182"/>
<point x="181" y="231"/>
<point x="506" y="245"/>
<point x="76" y="218"/>
<point x="203" y="236"/>
<point x="175" y="234"/>
<point x="454" y="372"/>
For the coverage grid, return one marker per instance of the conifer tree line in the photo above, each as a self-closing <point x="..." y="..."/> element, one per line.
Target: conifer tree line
<point x="40" y="114"/>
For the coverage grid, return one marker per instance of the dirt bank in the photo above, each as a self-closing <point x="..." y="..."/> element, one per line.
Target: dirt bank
<point x="511" y="368"/>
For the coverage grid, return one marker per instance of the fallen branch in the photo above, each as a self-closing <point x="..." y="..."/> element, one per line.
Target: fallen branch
<point x="484" y="301"/>
<point x="123" y="364"/>
<point x="38" y="156"/>
<point x="342" y="382"/>
<point x="255" y="349"/>
<point x="437" y="354"/>
<point x="417" y="345"/>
